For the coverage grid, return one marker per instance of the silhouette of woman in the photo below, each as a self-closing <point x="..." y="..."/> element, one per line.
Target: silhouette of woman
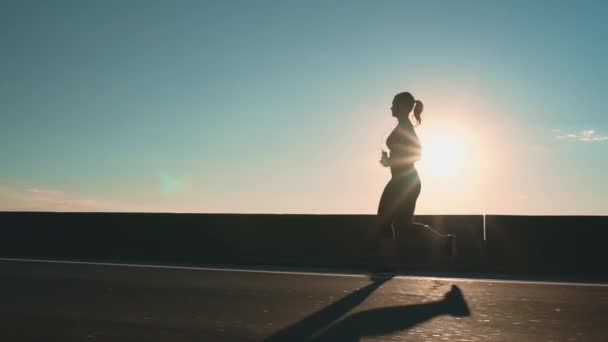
<point x="398" y="201"/>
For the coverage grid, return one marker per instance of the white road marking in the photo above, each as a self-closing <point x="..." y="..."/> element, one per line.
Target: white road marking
<point x="330" y="274"/>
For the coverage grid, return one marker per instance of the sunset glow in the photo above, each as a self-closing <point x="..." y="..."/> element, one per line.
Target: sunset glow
<point x="233" y="107"/>
<point x="447" y="153"/>
<point x="444" y="155"/>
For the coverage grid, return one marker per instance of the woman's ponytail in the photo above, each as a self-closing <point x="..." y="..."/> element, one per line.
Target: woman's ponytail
<point x="418" y="108"/>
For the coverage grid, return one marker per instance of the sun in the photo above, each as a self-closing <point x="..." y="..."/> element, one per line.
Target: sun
<point x="443" y="155"/>
<point x="448" y="154"/>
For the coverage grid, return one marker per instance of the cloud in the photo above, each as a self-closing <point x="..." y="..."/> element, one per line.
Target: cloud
<point x="584" y="135"/>
<point x="588" y="132"/>
<point x="38" y="199"/>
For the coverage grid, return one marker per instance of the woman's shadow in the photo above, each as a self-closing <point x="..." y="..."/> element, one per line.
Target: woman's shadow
<point x="373" y="322"/>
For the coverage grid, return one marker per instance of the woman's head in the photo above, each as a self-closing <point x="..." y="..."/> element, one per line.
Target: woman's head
<point x="403" y="103"/>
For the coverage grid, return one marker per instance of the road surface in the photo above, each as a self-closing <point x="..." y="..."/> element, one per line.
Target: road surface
<point x="57" y="301"/>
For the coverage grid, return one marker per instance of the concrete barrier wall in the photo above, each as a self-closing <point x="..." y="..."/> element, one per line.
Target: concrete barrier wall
<point x="574" y="245"/>
<point x="468" y="230"/>
<point x="299" y="240"/>
<point x="539" y="245"/>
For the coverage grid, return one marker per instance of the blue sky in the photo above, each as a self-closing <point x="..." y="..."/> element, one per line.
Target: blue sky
<point x="282" y="106"/>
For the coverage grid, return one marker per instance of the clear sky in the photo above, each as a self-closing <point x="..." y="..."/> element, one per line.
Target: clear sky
<point x="283" y="106"/>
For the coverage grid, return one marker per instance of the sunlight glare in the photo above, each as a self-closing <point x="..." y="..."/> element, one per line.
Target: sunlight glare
<point x="443" y="155"/>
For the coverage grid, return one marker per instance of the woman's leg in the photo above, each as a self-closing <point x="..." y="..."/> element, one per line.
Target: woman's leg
<point x="383" y="234"/>
<point x="404" y="218"/>
<point x="386" y="212"/>
<point x="405" y="221"/>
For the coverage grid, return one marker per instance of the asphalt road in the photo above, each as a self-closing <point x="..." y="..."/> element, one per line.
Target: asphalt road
<point x="47" y="301"/>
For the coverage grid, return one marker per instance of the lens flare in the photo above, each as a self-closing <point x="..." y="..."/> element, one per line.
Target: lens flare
<point x="443" y="156"/>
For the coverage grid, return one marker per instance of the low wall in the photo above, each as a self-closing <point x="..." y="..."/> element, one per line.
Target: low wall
<point x="299" y="240"/>
<point x="573" y="245"/>
<point x="535" y="245"/>
<point x="424" y="250"/>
